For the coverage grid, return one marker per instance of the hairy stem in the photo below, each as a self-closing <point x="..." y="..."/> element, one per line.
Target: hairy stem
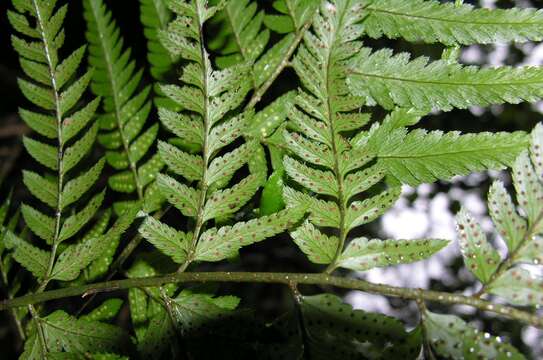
<point x="39" y="329"/>
<point x="279" y="278"/>
<point x="60" y="149"/>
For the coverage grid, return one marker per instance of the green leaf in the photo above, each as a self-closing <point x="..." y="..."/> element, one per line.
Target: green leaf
<point x="536" y="149"/>
<point x="45" y="125"/>
<point x="225" y="202"/>
<point x="34" y="70"/>
<point x="188" y="129"/>
<point x="531" y="252"/>
<point x="64" y="332"/>
<point x="388" y="79"/>
<point x="70" y="96"/>
<point x="363" y="212"/>
<point x="193" y="311"/>
<point x="324" y="314"/>
<point x="169" y="241"/>
<point x="68" y="67"/>
<point x="184" y="164"/>
<point x="279" y="23"/>
<point x="449" y="23"/>
<point x="267" y="120"/>
<point x="141" y="145"/>
<point x="45" y="154"/>
<point x="155" y="15"/>
<point x="225" y="166"/>
<point x="40" y="224"/>
<point x="44" y="189"/>
<point x="184" y="198"/>
<point x="30" y="257"/>
<point x="509" y="224"/>
<point x="77" y="187"/>
<point x="519" y="287"/>
<point x="322" y="213"/>
<point x="318" y="247"/>
<point x="226" y="132"/>
<point x="77" y="257"/>
<point x="480" y="257"/>
<point x="75" y="222"/>
<point x="321" y="182"/>
<point x="363" y="254"/>
<point x="30" y="50"/>
<point x="452" y="338"/>
<point x="265" y="66"/>
<point x="105" y="311"/>
<point x="362" y="180"/>
<point x="313" y="152"/>
<point x="529" y="190"/>
<point x="73" y="124"/>
<point x="218" y="244"/>
<point x="423" y="157"/>
<point x="247" y="34"/>
<point x="80" y="148"/>
<point x="271" y="200"/>
<point x="156" y="340"/>
<point x="38" y="95"/>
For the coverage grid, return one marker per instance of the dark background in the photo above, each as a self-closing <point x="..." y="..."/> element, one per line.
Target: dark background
<point x="280" y="254"/>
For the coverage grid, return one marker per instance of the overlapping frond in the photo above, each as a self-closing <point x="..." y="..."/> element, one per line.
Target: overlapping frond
<point x="54" y="86"/>
<point x="448" y="23"/>
<point x="521" y="230"/>
<point x="245" y="33"/>
<point x="390" y="80"/>
<point x="420" y="156"/>
<point x="126" y="107"/>
<point x="155" y="16"/>
<point x="334" y="168"/>
<point x="451" y="337"/>
<point x="200" y="186"/>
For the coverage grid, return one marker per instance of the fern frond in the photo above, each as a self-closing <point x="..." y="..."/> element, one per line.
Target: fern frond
<point x="394" y="80"/>
<point x="522" y="233"/>
<point x="448" y="23"/>
<point x="322" y="314"/>
<point x="335" y="168"/>
<point x="207" y="96"/>
<point x="452" y="338"/>
<point x="422" y="157"/>
<point x="57" y="95"/>
<point x="59" y="332"/>
<point x="126" y="108"/>
<point x="155" y="16"/>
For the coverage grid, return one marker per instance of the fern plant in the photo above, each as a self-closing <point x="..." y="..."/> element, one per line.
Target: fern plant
<point x="275" y="119"/>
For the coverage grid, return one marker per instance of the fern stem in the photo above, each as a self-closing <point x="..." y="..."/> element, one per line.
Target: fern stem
<point x="511" y="258"/>
<point x="39" y="329"/>
<point x="60" y="151"/>
<point x="257" y="95"/>
<point x="278" y="278"/>
<point x="205" y="154"/>
<point x="115" y="94"/>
